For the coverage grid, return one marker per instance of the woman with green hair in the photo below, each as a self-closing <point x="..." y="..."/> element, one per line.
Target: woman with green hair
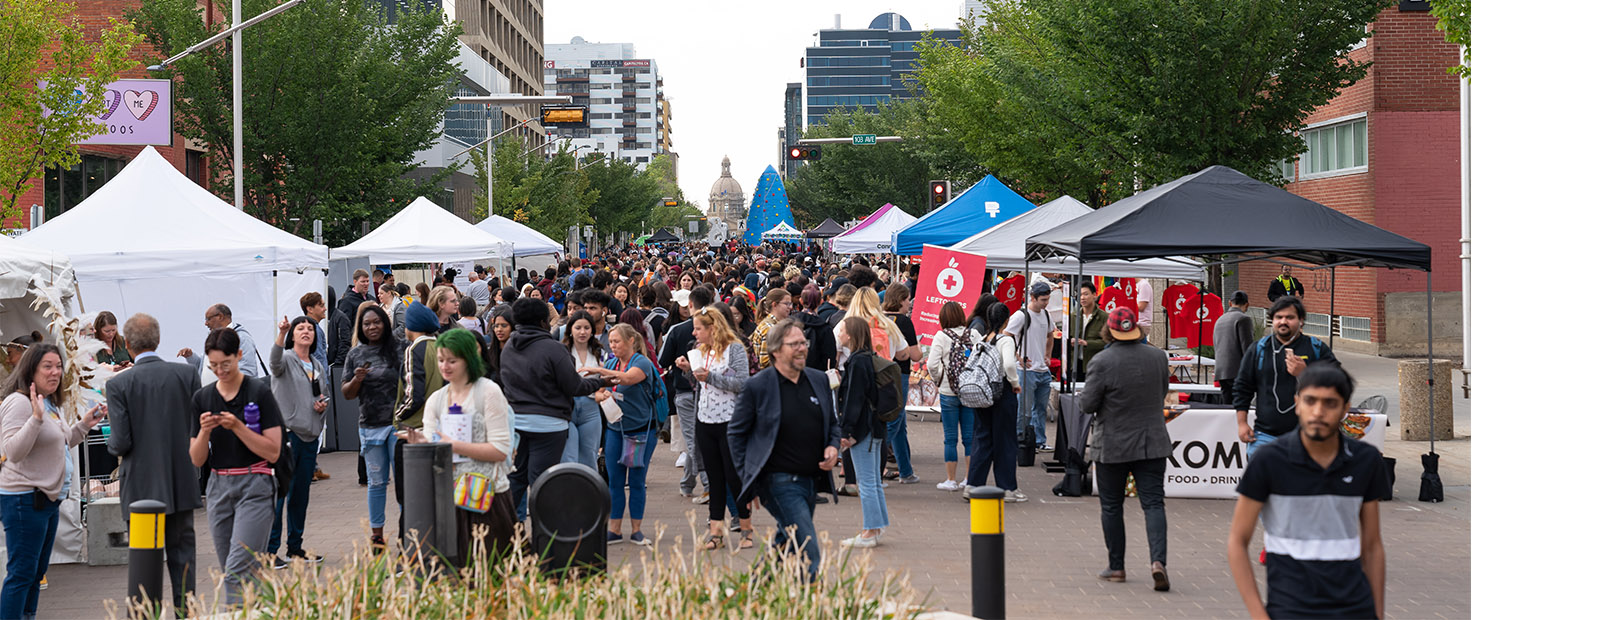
<point x="472" y="416"/>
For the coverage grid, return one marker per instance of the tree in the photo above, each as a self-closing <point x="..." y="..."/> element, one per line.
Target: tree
<point x="49" y="62"/>
<point x="626" y="198"/>
<point x="853" y="181"/>
<point x="548" y="195"/>
<point x="1455" y="19"/>
<point x="337" y="101"/>
<point x="1096" y="98"/>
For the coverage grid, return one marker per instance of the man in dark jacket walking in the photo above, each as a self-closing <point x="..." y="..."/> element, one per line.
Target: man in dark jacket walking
<point x="360" y="282"/>
<point x="540" y="382"/>
<point x="1126" y="390"/>
<point x="150" y="406"/>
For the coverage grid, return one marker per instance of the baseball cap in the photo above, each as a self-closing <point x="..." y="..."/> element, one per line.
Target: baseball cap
<point x="1124" y="324"/>
<point x="1039" y="289"/>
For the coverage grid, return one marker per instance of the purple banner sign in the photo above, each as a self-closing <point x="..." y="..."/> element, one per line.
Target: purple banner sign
<point x="138" y="112"/>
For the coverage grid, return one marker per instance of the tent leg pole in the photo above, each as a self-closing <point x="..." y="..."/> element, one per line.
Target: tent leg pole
<point x="1333" y="284"/>
<point x="1199" y="338"/>
<point x="1431" y="432"/>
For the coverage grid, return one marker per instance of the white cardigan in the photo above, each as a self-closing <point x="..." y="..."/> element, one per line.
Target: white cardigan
<point x="940" y="349"/>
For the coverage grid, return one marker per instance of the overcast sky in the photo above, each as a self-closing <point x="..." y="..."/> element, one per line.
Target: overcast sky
<point x="724" y="65"/>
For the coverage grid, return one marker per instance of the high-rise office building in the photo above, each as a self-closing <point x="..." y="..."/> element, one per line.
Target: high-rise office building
<point x="509" y="36"/>
<point x="863" y="67"/>
<point x="976" y="10"/>
<point x="793" y="128"/>
<point x="626" y="110"/>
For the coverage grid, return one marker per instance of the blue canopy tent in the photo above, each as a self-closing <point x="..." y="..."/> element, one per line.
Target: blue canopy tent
<point x="979" y="208"/>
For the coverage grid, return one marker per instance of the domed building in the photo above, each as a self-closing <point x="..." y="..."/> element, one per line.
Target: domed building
<point x="727" y="201"/>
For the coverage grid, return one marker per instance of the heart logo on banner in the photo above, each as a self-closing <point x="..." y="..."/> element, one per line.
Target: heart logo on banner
<point x="113" y="99"/>
<point x="140" y="103"/>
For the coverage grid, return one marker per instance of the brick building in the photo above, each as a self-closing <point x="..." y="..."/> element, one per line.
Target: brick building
<point x="60" y="189"/>
<point x="1386" y="151"/>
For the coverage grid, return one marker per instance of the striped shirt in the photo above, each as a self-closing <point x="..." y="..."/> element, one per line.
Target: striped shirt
<point x="1312" y="518"/>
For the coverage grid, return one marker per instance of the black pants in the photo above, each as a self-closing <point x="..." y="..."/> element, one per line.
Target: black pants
<point x="1227" y="391"/>
<point x="993" y="430"/>
<point x="1148" y="477"/>
<point x="361" y="469"/>
<point x="712" y="442"/>
<point x="536" y="452"/>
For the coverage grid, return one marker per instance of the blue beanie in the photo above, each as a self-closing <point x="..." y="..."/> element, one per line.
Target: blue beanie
<point x="422" y="320"/>
<point x="752" y="281"/>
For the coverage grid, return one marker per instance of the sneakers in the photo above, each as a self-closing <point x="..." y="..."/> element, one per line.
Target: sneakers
<point x="278" y="563"/>
<point x="963" y="483"/>
<point x="1013" y="497"/>
<point x="966" y="494"/>
<point x="911" y="479"/>
<point x="613" y="538"/>
<point x="44" y="583"/>
<point x="703" y="498"/>
<point x="683" y="460"/>
<point x="950" y="485"/>
<point x="638" y="538"/>
<point x="308" y="557"/>
<point x="860" y="542"/>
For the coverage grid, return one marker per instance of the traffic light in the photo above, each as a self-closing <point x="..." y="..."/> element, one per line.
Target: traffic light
<point x="938" y="194"/>
<point x="805" y="153"/>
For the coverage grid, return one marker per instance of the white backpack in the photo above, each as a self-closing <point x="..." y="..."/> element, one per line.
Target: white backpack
<point x="978" y="373"/>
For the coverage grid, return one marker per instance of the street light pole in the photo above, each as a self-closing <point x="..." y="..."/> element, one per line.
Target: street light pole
<point x="488" y="125"/>
<point x="238" y="106"/>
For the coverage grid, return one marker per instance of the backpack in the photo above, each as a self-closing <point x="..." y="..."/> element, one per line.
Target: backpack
<point x="1261" y="351"/>
<point x="978" y="376"/>
<point x="880" y="339"/>
<point x="886" y="399"/>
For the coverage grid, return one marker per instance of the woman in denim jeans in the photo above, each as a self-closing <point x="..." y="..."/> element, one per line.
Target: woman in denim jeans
<point x="638" y="423"/>
<point x="946" y="343"/>
<point x="583" y="434"/>
<point x="33" y="436"/>
<point x="373" y="368"/>
<point x="862" y="433"/>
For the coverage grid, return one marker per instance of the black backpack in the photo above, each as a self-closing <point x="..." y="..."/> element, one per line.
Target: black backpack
<point x="886" y="397"/>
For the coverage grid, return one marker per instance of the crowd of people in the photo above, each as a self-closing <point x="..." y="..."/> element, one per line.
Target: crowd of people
<point x="780" y="374"/>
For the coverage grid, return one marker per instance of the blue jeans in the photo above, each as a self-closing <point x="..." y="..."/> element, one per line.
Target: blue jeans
<point x="791" y="501"/>
<point x="304" y="454"/>
<point x="30" y="534"/>
<point x="618" y="476"/>
<point x="874" y="510"/>
<point x="583" y="433"/>
<point x="1262" y="439"/>
<point x="377" y="447"/>
<point x="1036" y="386"/>
<point x="896" y="436"/>
<point x="953" y="416"/>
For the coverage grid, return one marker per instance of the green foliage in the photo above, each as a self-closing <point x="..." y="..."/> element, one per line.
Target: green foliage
<point x="336" y="102"/>
<point x="1096" y="98"/>
<point x="627" y="196"/>
<point x="853" y="181"/>
<point x="547" y="194"/>
<point x="1455" y="19"/>
<point x="37" y="33"/>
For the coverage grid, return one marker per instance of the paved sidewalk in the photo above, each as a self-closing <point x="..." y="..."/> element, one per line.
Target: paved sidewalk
<point x="1054" y="546"/>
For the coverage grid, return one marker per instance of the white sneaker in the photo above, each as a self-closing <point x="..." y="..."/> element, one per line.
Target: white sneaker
<point x="860" y="542"/>
<point x="963" y="484"/>
<point x="1013" y="497"/>
<point x="683" y="459"/>
<point x="949" y="485"/>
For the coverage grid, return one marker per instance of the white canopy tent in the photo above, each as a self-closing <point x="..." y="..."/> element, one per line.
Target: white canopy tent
<point x="783" y="232"/>
<point x="872" y="235"/>
<point x="524" y="240"/>
<point x="152" y="241"/>
<point x="1003" y="245"/>
<point x="424" y="232"/>
<point x="20" y="263"/>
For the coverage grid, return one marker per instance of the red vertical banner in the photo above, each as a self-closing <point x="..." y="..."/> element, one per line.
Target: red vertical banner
<point x="947" y="275"/>
<point x="1010" y="292"/>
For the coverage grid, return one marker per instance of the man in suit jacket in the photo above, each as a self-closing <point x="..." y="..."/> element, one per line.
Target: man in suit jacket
<point x="150" y="405"/>
<point x="1234" y="332"/>
<point x="783" y="435"/>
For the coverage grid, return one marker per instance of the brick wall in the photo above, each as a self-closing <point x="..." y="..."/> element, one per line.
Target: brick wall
<point x="1412" y="183"/>
<point x="93" y="15"/>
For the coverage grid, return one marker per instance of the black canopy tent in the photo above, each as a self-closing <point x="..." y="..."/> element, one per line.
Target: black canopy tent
<point x="663" y="236"/>
<point x="1228" y="217"/>
<point x="828" y="229"/>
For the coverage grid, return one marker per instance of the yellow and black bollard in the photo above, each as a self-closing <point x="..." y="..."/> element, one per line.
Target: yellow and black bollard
<point x="147" y="543"/>
<point x="988" y="553"/>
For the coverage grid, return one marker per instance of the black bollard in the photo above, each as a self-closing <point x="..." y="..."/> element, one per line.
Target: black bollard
<point x="430" y="514"/>
<point x="988" y="553"/>
<point x="147" y="526"/>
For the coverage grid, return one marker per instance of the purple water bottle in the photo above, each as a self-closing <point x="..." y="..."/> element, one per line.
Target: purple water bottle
<point x="252" y="417"/>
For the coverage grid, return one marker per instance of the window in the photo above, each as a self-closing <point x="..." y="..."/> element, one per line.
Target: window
<point x="847" y="61"/>
<point x="64" y="188"/>
<point x="825" y="100"/>
<point x="870" y="80"/>
<point x="903" y="46"/>
<point x="1338" y="147"/>
<point x="1285" y="168"/>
